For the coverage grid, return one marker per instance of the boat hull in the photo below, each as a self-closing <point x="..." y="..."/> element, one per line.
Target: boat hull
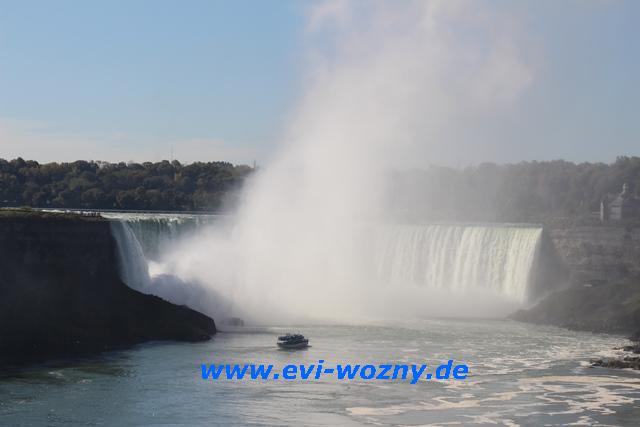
<point x="293" y="346"/>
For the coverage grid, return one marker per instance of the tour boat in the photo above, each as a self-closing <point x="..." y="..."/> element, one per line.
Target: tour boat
<point x="292" y="341"/>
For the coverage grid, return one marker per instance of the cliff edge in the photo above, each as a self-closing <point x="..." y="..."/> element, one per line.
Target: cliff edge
<point x="60" y="293"/>
<point x="602" y="293"/>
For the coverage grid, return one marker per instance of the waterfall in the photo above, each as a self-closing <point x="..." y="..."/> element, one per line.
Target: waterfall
<point x="133" y="233"/>
<point x="157" y="232"/>
<point x="489" y="266"/>
<point x="134" y="269"/>
<point x="460" y="258"/>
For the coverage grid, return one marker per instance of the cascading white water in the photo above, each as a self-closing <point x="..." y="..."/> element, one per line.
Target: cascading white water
<point x="459" y="258"/>
<point x="158" y="232"/>
<point x="485" y="263"/>
<point x="133" y="265"/>
<point x="392" y="89"/>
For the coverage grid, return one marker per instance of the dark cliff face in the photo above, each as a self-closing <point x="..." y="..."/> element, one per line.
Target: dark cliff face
<point x="60" y="293"/>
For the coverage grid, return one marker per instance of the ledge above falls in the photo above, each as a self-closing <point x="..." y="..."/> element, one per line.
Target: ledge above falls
<point x="61" y="295"/>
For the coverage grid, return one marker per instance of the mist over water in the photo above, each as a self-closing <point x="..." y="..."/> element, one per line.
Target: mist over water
<point x="393" y="86"/>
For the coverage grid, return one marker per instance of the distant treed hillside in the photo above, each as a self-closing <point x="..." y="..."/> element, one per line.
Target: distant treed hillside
<point x="523" y="192"/>
<point x="131" y="186"/>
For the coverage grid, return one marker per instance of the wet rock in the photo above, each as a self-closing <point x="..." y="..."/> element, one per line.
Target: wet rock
<point x="627" y="362"/>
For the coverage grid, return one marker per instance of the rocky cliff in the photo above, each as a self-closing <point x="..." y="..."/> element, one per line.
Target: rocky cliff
<point x="60" y="293"/>
<point x="603" y="288"/>
<point x="598" y="255"/>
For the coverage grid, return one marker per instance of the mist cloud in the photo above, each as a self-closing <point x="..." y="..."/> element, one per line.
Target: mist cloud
<point x="392" y="89"/>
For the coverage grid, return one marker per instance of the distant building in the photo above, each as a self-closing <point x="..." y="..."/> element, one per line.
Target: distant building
<point x="624" y="206"/>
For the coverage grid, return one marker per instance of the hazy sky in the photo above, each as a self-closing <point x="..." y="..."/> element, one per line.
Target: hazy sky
<point x="214" y="80"/>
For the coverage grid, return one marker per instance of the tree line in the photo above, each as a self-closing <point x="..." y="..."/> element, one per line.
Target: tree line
<point x="544" y="192"/>
<point x="521" y="192"/>
<point x="128" y="186"/>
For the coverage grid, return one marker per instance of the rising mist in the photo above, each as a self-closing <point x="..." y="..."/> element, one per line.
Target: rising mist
<point x="394" y="85"/>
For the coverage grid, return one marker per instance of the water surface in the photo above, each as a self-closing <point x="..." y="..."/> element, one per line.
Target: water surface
<point x="520" y="375"/>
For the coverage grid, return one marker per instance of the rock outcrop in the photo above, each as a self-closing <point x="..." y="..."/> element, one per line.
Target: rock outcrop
<point x="60" y="293"/>
<point x="602" y="293"/>
<point x="597" y="255"/>
<point x="627" y="362"/>
<point x="612" y="308"/>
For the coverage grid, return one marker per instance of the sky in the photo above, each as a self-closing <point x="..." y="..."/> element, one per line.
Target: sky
<point x="219" y="80"/>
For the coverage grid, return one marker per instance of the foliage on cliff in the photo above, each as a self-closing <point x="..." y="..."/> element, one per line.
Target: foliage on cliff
<point x="130" y="186"/>
<point x="546" y="192"/>
<point x="15" y="213"/>
<point x="524" y="192"/>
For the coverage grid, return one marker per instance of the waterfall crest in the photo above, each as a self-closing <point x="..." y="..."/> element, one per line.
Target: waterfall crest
<point x="156" y="233"/>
